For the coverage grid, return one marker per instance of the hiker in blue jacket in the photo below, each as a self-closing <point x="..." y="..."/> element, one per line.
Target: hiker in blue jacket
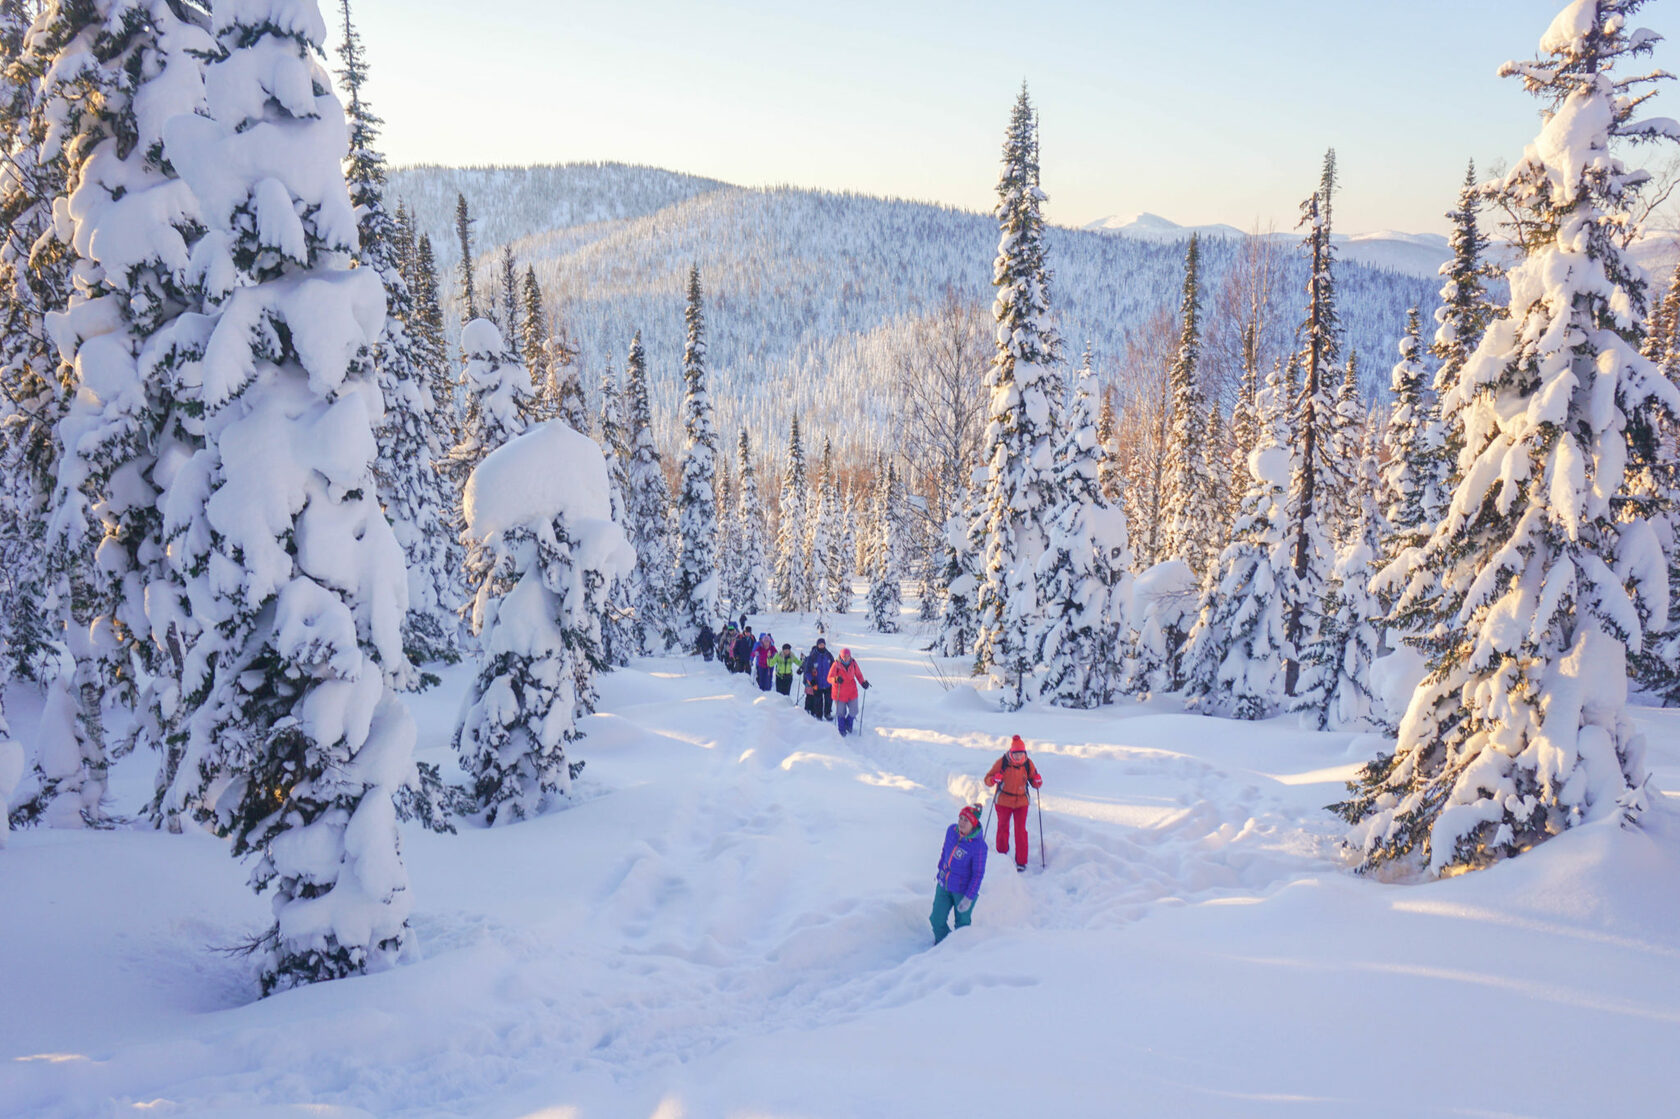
<point x="962" y="864"/>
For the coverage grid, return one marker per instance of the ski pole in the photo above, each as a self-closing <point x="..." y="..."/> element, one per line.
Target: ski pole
<point x="991" y="804"/>
<point x="1040" y="797"/>
<point x="863" y="704"/>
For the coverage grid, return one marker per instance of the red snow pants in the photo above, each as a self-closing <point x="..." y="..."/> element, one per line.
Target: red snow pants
<point x="1020" y="815"/>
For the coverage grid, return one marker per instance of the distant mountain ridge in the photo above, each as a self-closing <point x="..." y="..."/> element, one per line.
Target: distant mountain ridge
<point x="1415" y="254"/>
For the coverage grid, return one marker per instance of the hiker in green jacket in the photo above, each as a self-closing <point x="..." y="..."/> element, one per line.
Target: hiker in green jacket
<point x="784" y="664"/>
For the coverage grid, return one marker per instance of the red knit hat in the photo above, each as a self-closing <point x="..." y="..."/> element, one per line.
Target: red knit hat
<point x="1016" y="744"/>
<point x="972" y="815"/>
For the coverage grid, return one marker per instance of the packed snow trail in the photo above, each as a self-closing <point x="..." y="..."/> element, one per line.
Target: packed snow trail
<point x="731" y="918"/>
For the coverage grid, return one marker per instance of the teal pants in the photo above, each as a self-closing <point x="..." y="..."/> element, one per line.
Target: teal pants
<point x="944" y="902"/>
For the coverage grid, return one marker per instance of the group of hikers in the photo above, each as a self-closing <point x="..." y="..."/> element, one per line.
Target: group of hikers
<point x="832" y="686"/>
<point x="832" y="691"/>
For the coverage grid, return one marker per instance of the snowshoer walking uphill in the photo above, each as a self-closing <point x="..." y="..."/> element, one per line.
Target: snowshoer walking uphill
<point x="741" y="658"/>
<point x="819" y="697"/>
<point x="762" y="652"/>
<point x="962" y="864"/>
<point x="784" y="664"/>
<point x="706" y="643"/>
<point x="1014" y="772"/>
<point x="846" y="677"/>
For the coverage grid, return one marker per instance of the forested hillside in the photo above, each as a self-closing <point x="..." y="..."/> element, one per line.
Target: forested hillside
<point x="814" y="296"/>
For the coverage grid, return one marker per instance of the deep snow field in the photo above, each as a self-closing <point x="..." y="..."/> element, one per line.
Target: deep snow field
<point x="730" y="919"/>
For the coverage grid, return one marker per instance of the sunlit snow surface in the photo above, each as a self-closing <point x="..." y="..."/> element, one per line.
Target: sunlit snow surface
<point x="731" y="920"/>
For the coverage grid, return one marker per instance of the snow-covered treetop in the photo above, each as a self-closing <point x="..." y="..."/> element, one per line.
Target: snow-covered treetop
<point x="481" y="338"/>
<point x="550" y="471"/>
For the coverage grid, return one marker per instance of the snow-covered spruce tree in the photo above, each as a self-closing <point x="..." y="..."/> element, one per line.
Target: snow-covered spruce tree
<point x="1188" y="501"/>
<point x="510" y="294"/>
<point x="823" y="515"/>
<point x="647" y="509"/>
<point x="533" y="324"/>
<point x="1313" y="472"/>
<point x="749" y="538"/>
<point x="695" y="595"/>
<point x="563" y="382"/>
<point x="545" y="551"/>
<point x="407" y="436"/>
<point x="42" y="110"/>
<point x="1343" y="500"/>
<point x="1083" y="575"/>
<point x="728" y="555"/>
<point x="1108" y="465"/>
<point x="1244" y="436"/>
<point x="833" y="514"/>
<point x="958" y="617"/>
<point x="1414" y="483"/>
<point x="792" y="590"/>
<point x="295" y="738"/>
<point x="885" y="583"/>
<point x="1234" y="655"/>
<point x="126" y="233"/>
<point x="1165" y="602"/>
<point x="431" y="347"/>
<point x="470" y="309"/>
<point x="619" y="640"/>
<point x="1520" y="729"/>
<point x="1020" y="438"/>
<point x="1336" y="667"/>
<point x="1465" y="309"/>
<point x="498" y="397"/>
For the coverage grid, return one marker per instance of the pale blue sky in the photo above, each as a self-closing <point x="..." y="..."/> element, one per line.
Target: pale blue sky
<point x="1198" y="110"/>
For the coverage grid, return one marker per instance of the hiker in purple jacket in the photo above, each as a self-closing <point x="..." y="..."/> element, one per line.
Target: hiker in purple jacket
<point x="962" y="864"/>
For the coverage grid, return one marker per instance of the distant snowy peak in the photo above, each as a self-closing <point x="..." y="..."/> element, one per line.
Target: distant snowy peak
<point x="1154" y="227"/>
<point x="1413" y="254"/>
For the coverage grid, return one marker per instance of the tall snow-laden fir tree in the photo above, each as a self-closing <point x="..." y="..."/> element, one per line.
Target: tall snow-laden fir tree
<point x="125" y="239"/>
<point x="1311" y="440"/>
<point x="1414" y="483"/>
<point x="1520" y="728"/>
<point x="1083" y="575"/>
<point x="1336" y="667"/>
<point x="1234" y="655"/>
<point x="1343" y="499"/>
<point x="1188" y="501"/>
<point x="829" y="531"/>
<point x="510" y="294"/>
<point x="619" y="639"/>
<point x="696" y="592"/>
<point x="959" y="619"/>
<point x="50" y="88"/>
<point x="1465" y="309"/>
<point x="886" y="597"/>
<point x="1020" y="438"/>
<point x="647" y="507"/>
<point x="792" y="590"/>
<point x="1108" y="465"/>
<point x="407" y="435"/>
<point x="470" y="309"/>
<point x="1244" y="437"/>
<point x="533" y="331"/>
<point x="544" y="551"/>
<point x="749" y="538"/>
<point x="295" y="739"/>
<point x="498" y="397"/>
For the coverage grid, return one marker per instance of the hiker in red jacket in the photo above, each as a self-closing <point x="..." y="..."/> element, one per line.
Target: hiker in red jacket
<point x="1014" y="772"/>
<point x="846" y="678"/>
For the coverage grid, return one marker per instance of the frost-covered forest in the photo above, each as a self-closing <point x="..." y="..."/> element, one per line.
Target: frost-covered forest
<point x="366" y="530"/>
